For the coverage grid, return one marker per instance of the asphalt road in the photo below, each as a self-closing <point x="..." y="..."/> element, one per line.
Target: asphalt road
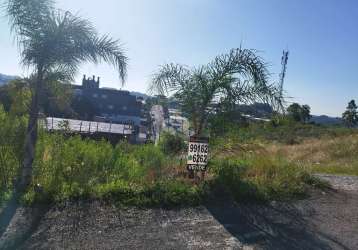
<point x="157" y="114"/>
<point x="326" y="220"/>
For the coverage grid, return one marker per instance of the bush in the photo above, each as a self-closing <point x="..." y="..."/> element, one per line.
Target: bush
<point x="171" y="144"/>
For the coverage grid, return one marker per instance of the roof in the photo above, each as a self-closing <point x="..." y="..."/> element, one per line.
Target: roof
<point x="52" y="123"/>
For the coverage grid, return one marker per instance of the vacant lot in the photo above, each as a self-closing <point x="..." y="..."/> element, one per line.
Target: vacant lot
<point x="335" y="155"/>
<point x="254" y="195"/>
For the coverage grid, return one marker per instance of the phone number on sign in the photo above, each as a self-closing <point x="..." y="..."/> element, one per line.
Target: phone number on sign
<point x="199" y="158"/>
<point x="198" y="148"/>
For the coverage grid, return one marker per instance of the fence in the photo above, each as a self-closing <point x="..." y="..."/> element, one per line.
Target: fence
<point x="89" y="127"/>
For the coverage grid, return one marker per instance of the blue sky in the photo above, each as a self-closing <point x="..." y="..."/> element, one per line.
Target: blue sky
<point x="322" y="37"/>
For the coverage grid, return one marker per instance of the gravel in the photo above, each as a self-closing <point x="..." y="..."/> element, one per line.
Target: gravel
<point x="341" y="182"/>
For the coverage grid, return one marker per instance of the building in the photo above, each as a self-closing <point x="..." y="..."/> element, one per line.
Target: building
<point x="177" y="122"/>
<point x="111" y="105"/>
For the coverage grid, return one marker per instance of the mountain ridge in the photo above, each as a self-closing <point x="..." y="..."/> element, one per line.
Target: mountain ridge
<point x="4" y="79"/>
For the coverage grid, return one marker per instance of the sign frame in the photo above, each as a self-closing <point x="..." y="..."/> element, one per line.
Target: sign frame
<point x="200" y="144"/>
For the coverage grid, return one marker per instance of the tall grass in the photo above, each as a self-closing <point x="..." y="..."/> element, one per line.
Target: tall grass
<point x="76" y="168"/>
<point x="336" y="155"/>
<point x="73" y="168"/>
<point x="262" y="177"/>
<point x="66" y="168"/>
<point x="12" y="134"/>
<point x="289" y="133"/>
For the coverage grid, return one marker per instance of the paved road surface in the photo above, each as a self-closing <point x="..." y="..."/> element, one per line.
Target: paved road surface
<point x="157" y="114"/>
<point x="326" y="220"/>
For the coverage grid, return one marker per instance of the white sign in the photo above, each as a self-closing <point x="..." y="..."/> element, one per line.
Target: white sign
<point x="198" y="154"/>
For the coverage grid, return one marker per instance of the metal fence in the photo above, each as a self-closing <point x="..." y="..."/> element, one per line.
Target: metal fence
<point x="53" y="123"/>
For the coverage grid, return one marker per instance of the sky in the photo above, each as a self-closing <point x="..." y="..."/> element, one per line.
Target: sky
<point x="322" y="37"/>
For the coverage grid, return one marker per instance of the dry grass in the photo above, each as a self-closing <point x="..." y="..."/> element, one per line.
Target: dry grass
<point x="328" y="155"/>
<point x="336" y="154"/>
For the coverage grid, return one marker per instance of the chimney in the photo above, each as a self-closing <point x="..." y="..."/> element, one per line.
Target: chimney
<point x="98" y="80"/>
<point x="84" y="80"/>
<point x="94" y="77"/>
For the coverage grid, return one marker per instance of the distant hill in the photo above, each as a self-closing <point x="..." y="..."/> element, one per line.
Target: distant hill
<point x="139" y="94"/>
<point x="5" y="79"/>
<point x="258" y="110"/>
<point x="326" y="120"/>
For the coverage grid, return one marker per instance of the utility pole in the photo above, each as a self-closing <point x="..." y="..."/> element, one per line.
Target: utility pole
<point x="284" y="60"/>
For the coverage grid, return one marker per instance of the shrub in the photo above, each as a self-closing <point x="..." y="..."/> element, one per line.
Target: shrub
<point x="171" y="143"/>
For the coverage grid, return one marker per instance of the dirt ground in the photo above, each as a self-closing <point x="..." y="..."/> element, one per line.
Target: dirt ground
<point x="326" y="220"/>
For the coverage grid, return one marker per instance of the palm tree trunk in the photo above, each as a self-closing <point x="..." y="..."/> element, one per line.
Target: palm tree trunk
<point x="200" y="124"/>
<point x="31" y="138"/>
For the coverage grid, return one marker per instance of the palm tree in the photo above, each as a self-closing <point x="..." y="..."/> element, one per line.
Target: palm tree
<point x="53" y="43"/>
<point x="240" y="76"/>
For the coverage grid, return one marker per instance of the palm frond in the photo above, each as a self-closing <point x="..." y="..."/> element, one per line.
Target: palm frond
<point x="77" y="41"/>
<point x="110" y="51"/>
<point x="244" y="63"/>
<point x="240" y="76"/>
<point x="170" y="77"/>
<point x="55" y="40"/>
<point x="27" y="17"/>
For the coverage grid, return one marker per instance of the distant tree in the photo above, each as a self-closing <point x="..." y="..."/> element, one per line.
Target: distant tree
<point x="53" y="43"/>
<point x="294" y="111"/>
<point x="16" y="97"/>
<point x="240" y="76"/>
<point x="299" y="113"/>
<point x="57" y="99"/>
<point x="350" y="116"/>
<point x="305" y="113"/>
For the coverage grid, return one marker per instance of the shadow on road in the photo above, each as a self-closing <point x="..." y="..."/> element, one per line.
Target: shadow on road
<point x="7" y="213"/>
<point x="275" y="226"/>
<point x="17" y="223"/>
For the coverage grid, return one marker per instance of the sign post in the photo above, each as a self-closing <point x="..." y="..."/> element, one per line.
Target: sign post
<point x="198" y="151"/>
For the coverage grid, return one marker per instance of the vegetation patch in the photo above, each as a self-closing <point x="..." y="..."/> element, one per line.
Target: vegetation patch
<point x="262" y="178"/>
<point x="244" y="163"/>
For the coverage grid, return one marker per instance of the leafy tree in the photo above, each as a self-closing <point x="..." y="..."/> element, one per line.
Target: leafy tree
<point x="350" y="116"/>
<point x="16" y="97"/>
<point x="240" y="76"/>
<point x="56" y="99"/>
<point x="53" y="43"/>
<point x="294" y="111"/>
<point x="299" y="113"/>
<point x="305" y="113"/>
